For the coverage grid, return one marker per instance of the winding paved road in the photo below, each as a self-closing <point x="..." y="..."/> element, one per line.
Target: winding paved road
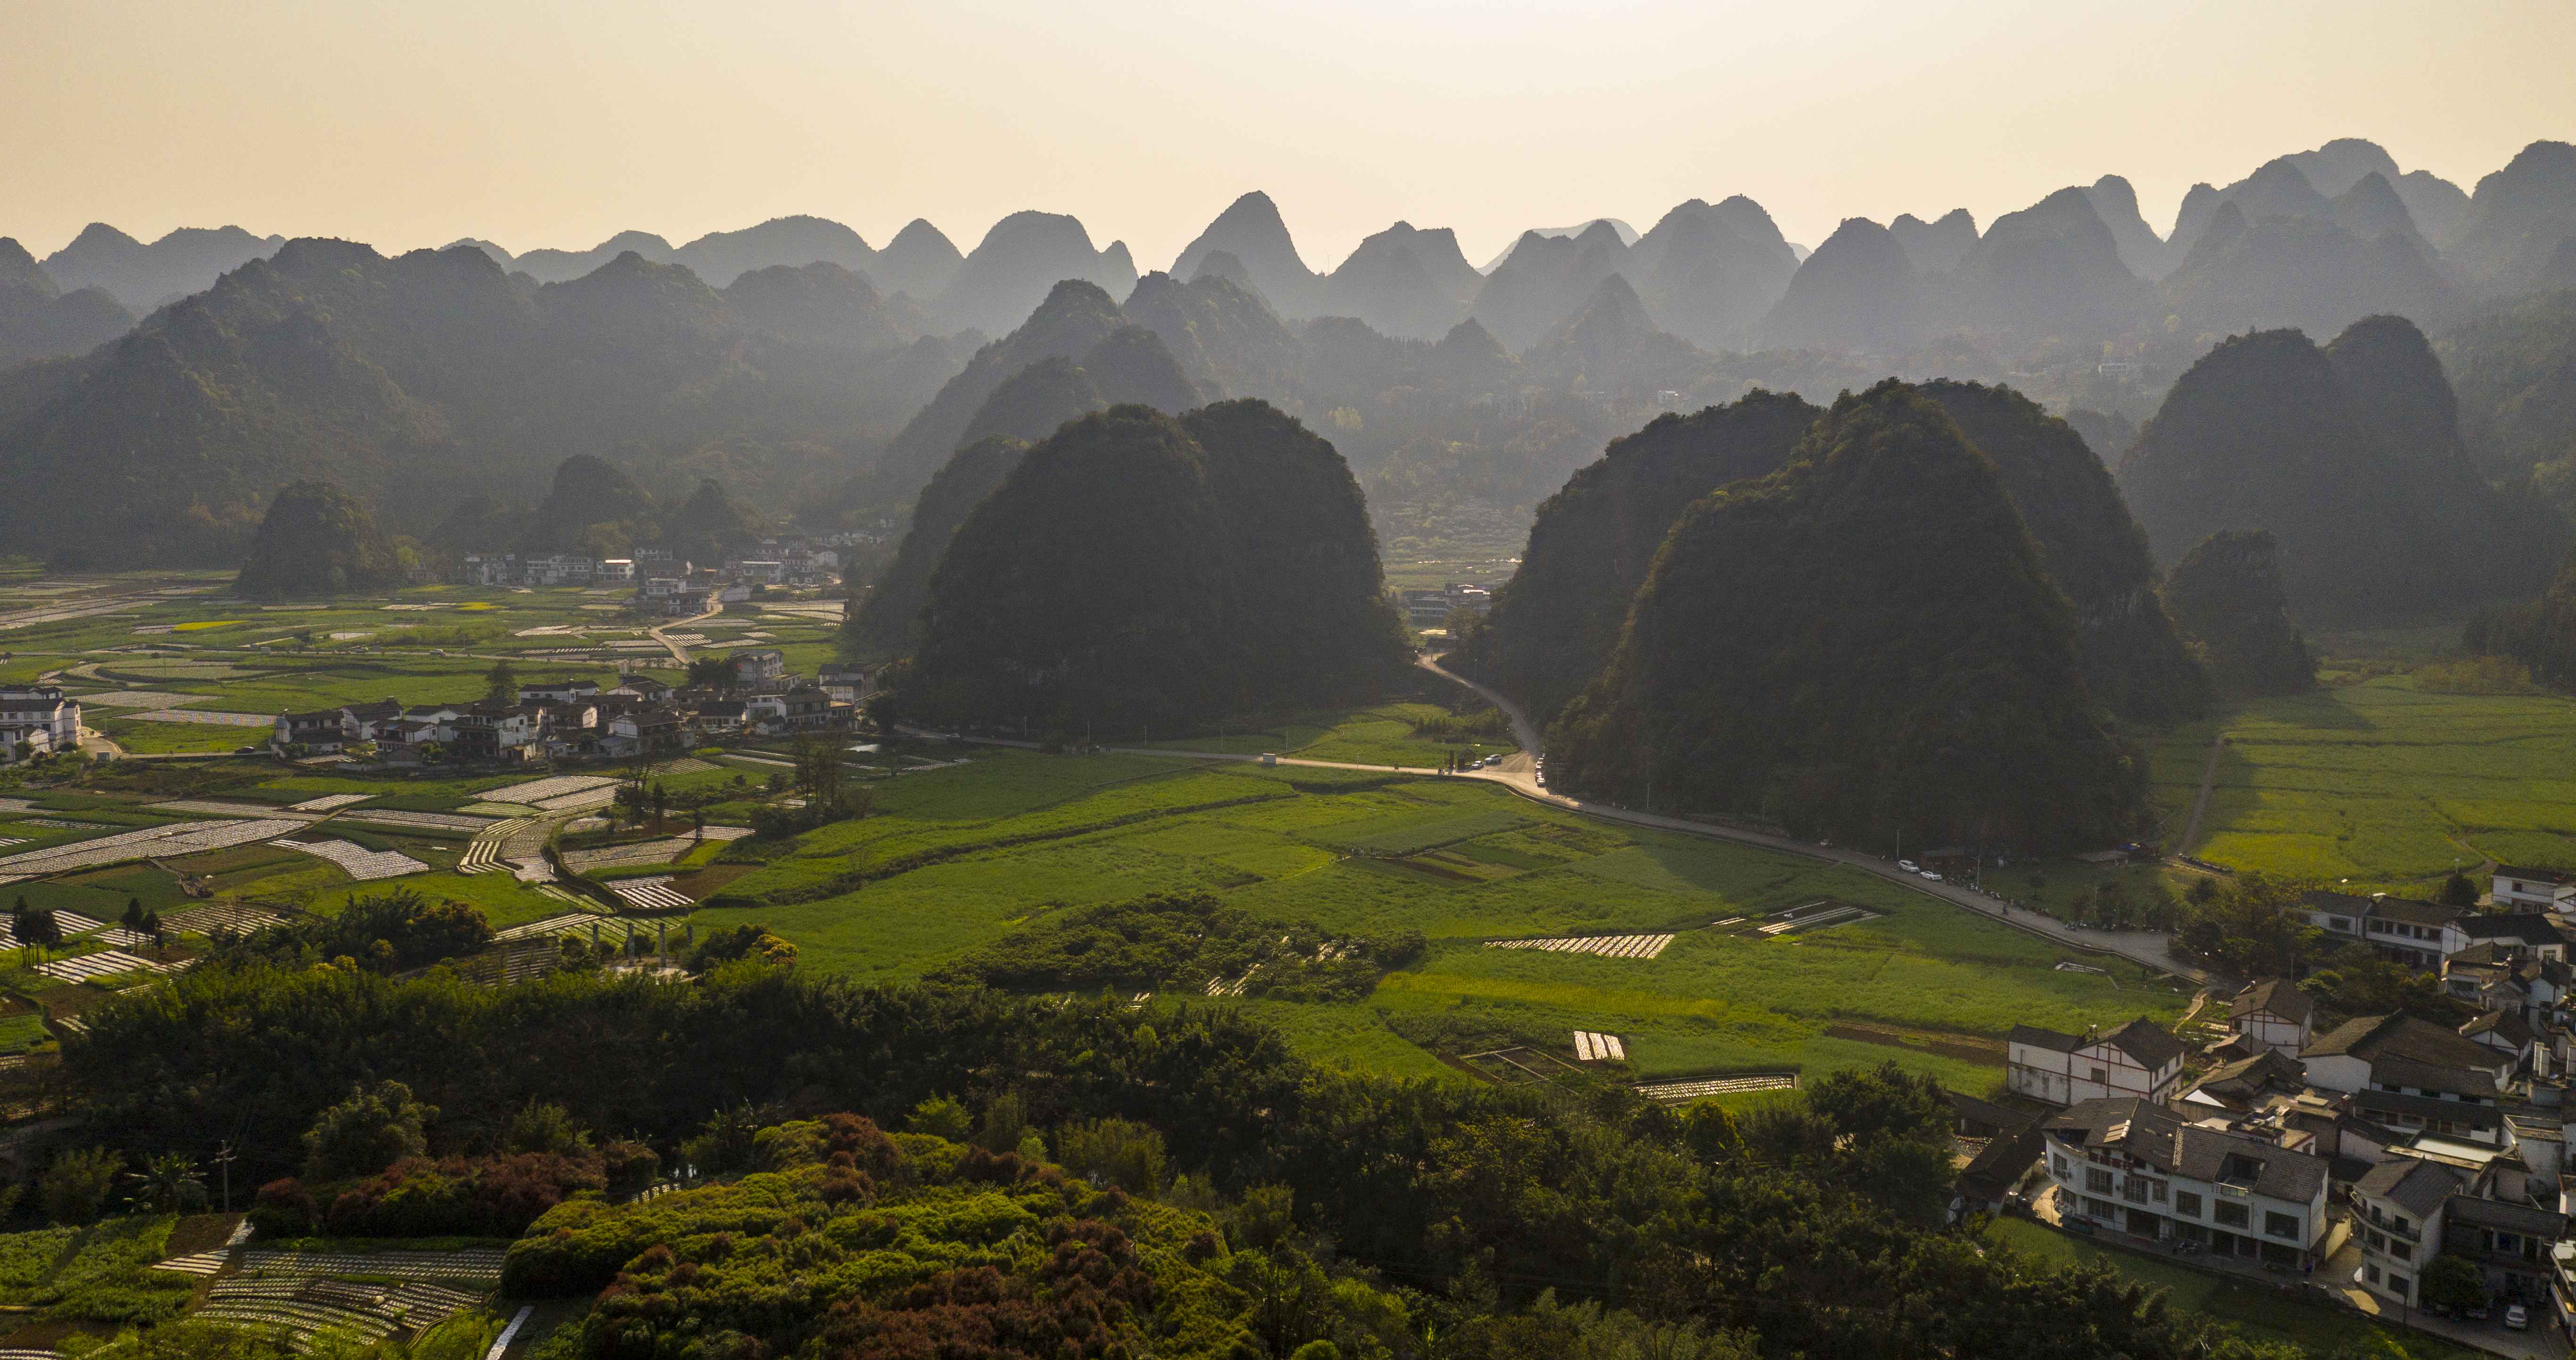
<point x="1519" y="773"/>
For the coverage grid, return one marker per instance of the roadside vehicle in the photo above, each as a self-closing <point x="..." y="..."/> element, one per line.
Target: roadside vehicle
<point x="2517" y="1318"/>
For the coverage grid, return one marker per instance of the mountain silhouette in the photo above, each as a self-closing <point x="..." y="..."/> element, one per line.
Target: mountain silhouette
<point x="1018" y="263"/>
<point x="1544" y="279"/>
<point x="40" y="321"/>
<point x="1935" y="247"/>
<point x="2304" y="271"/>
<point x="2517" y="217"/>
<point x="1709" y="272"/>
<point x="2145" y="253"/>
<point x="1857" y="292"/>
<point x="1251" y="230"/>
<point x="1406" y="282"/>
<point x="2049" y="270"/>
<point x="142" y="278"/>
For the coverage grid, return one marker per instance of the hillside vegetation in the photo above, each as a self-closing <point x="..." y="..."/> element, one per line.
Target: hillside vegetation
<point x="1817" y="648"/>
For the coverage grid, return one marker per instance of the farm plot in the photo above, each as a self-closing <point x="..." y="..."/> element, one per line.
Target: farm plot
<point x="1677" y="1092"/>
<point x="652" y="894"/>
<point x="215" y="807"/>
<point x="330" y="802"/>
<point x="661" y="851"/>
<point x="1593" y="1046"/>
<point x="105" y="963"/>
<point x="232" y="918"/>
<point x="178" y="838"/>
<point x="606" y="928"/>
<point x="471" y="1267"/>
<point x="70" y="923"/>
<point x="1816" y="916"/>
<point x="357" y="861"/>
<point x="536" y="792"/>
<point x="425" y="821"/>
<point x="143" y="698"/>
<point x="205" y="717"/>
<point x="1607" y="946"/>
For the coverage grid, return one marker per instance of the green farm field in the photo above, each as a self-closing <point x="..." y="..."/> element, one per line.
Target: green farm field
<point x="2379" y="783"/>
<point x="959" y="856"/>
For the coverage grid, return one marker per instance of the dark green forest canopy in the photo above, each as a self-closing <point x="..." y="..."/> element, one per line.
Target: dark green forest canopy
<point x="2089" y="546"/>
<point x="1862" y="644"/>
<point x="2225" y="594"/>
<point x="1136" y="569"/>
<point x="1444" y="1213"/>
<point x="1553" y="626"/>
<point x="886" y="623"/>
<point x="317" y="540"/>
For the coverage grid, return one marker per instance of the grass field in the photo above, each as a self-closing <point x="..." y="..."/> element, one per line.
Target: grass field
<point x="2264" y="1314"/>
<point x="1381" y="734"/>
<point x="2379" y="783"/>
<point x="960" y="855"/>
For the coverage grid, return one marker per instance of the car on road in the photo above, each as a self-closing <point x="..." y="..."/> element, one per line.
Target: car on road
<point x="1929" y="874"/>
<point x="2517" y="1318"/>
<point x="1908" y="866"/>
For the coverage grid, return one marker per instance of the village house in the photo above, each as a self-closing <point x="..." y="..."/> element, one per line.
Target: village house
<point x="489" y="731"/>
<point x="370" y="721"/>
<point x="37" y="720"/>
<point x="756" y="666"/>
<point x="2136" y="1059"/>
<point x="643" y="731"/>
<point x="2411" y="1074"/>
<point x="318" y="732"/>
<point x="2275" y="1014"/>
<point x="2535" y="889"/>
<point x="846" y="681"/>
<point x="2399" y="929"/>
<point x="2139" y="1168"/>
<point x="562" y="691"/>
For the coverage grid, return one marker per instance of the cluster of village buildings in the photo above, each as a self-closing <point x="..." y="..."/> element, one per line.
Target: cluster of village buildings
<point x="661" y="578"/>
<point x="2406" y="1138"/>
<point x="578" y="718"/>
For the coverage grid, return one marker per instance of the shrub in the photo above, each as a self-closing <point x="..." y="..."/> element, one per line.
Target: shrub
<point x="75" y="1188"/>
<point x="284" y="1208"/>
<point x="456" y="1197"/>
<point x="628" y="1168"/>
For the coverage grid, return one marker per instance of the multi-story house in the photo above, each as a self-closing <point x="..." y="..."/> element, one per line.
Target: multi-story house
<point x="33" y="708"/>
<point x="2137" y="1167"/>
<point x="490" y="569"/>
<point x="317" y="732"/>
<point x="2398" y="1211"/>
<point x="755" y="666"/>
<point x="2136" y="1059"/>
<point x="2413" y="1076"/>
<point x="2400" y="929"/>
<point x="644" y="730"/>
<point x="564" y="691"/>
<point x="489" y="731"/>
<point x="2535" y="889"/>
<point x="2274" y="1013"/>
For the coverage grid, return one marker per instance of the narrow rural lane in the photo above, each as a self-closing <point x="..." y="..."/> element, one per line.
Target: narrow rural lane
<point x="678" y="652"/>
<point x="1519" y="774"/>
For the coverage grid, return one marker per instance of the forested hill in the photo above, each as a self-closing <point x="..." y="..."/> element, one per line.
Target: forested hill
<point x="1553" y="626"/>
<point x="1136" y="568"/>
<point x="1817" y="648"/>
<point x="432" y="371"/>
<point x="2351" y="457"/>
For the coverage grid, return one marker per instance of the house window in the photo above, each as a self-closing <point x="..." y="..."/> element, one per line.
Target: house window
<point x="2097" y="1180"/>
<point x="2401" y="1251"/>
<point x="2101" y="1076"/>
<point x="2102" y="1208"/>
<point x="2230" y="1215"/>
<point x="2397" y="1284"/>
<point x="2282" y="1225"/>
<point x="2187" y="1203"/>
<point x="2370" y="1273"/>
<point x="2057" y="1167"/>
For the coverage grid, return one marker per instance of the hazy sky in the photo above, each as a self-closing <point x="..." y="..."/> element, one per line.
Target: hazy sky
<point x="537" y="124"/>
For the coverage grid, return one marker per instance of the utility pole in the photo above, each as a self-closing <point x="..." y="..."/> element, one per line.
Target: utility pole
<point x="224" y="1159"/>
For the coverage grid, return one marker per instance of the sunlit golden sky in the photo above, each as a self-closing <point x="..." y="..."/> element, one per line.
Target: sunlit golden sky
<point x="538" y="124"/>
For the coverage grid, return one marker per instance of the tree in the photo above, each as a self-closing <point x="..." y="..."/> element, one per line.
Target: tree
<point x="1005" y="1122"/>
<point x="75" y="1188"/>
<point x="1118" y="1151"/>
<point x="941" y="1117"/>
<point x="2460" y="890"/>
<point x="501" y="683"/>
<point x="543" y="1126"/>
<point x="2453" y="1284"/>
<point x="371" y="1130"/>
<point x="661" y="798"/>
<point x="167" y="1184"/>
<point x="724" y="1143"/>
<point x="710" y="672"/>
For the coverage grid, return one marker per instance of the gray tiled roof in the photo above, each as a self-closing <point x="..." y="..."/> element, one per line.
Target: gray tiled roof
<point x="2050" y="1039"/>
<point x="2278" y="996"/>
<point x="2378" y="1105"/>
<point x="2373" y="1037"/>
<point x="2458" y="1081"/>
<point x="2505" y="1214"/>
<point x="2412" y="1184"/>
<point x="2158" y="1137"/>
